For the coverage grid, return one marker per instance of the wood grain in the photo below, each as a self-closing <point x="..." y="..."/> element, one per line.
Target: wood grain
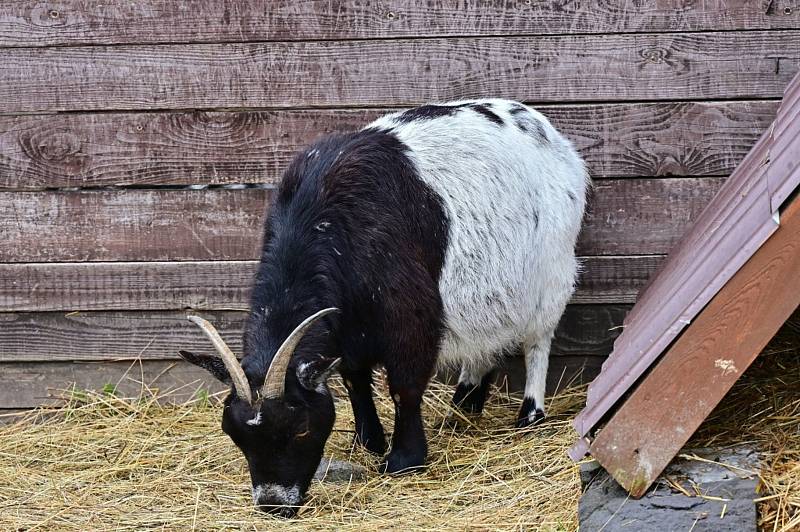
<point x="25" y="385"/>
<point x="585" y="330"/>
<point x="587" y="68"/>
<point x="33" y="23"/>
<point x="627" y="217"/>
<point x="134" y="225"/>
<point x="226" y="285"/>
<point x="42" y="354"/>
<point x="89" y="150"/>
<point x="694" y="375"/>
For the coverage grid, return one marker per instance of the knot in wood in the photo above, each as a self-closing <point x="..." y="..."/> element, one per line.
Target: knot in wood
<point x="655" y="55"/>
<point x="61" y="147"/>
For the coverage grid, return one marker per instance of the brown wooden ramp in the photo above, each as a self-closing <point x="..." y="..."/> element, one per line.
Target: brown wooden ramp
<point x="722" y="294"/>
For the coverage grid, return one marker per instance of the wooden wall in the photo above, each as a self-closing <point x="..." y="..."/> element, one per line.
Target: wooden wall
<point x="109" y="110"/>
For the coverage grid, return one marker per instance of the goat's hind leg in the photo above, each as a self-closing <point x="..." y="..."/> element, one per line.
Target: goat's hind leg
<point x="537" y="354"/>
<point x="473" y="389"/>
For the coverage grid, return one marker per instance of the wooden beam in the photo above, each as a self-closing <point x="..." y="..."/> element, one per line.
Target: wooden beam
<point x="26" y="385"/>
<point x="225" y="285"/>
<point x="178" y="148"/>
<point x="692" y="377"/>
<point x="32" y="23"/>
<point x="626" y="217"/>
<point x="576" y="68"/>
<point x="584" y="331"/>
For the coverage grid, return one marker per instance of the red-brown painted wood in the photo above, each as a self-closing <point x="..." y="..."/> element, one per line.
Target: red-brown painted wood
<point x="692" y="377"/>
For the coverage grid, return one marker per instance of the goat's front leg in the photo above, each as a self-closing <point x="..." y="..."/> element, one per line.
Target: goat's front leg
<point x="409" y="448"/>
<point x="408" y="377"/>
<point x="369" y="431"/>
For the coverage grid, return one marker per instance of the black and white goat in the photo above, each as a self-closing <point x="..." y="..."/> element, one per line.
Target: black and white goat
<point x="440" y="235"/>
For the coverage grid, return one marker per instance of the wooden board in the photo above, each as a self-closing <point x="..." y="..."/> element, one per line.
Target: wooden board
<point x="31" y="23"/>
<point x="692" y="377"/>
<point x="24" y="385"/>
<point x="221" y="285"/>
<point x="585" y="330"/>
<point x="627" y="217"/>
<point x="586" y="68"/>
<point x="90" y="150"/>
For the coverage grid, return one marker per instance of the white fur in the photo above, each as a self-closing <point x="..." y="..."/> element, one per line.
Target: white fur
<point x="255" y="421"/>
<point x="505" y="281"/>
<point x="276" y="494"/>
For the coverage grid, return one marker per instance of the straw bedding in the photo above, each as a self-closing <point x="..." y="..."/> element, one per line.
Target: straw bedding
<point x="105" y="462"/>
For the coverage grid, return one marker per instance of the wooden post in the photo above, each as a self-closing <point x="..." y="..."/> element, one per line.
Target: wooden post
<point x="692" y="377"/>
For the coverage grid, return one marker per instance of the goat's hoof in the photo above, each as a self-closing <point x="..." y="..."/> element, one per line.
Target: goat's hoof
<point x="529" y="414"/>
<point x="373" y="444"/>
<point x="401" y="463"/>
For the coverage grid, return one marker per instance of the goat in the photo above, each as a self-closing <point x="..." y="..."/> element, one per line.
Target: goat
<point x="439" y="236"/>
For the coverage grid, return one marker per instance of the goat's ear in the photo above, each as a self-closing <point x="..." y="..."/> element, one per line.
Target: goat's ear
<point x="315" y="373"/>
<point x="211" y="364"/>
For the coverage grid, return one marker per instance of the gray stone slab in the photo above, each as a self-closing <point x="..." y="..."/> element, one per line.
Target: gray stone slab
<point x="605" y="506"/>
<point x="339" y="471"/>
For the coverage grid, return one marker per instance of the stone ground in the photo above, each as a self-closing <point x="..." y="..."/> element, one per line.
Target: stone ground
<point x="721" y="498"/>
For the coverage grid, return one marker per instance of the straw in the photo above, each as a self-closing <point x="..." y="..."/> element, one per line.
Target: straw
<point x="114" y="463"/>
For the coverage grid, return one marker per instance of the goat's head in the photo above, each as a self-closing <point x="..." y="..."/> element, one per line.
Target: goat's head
<point x="281" y="432"/>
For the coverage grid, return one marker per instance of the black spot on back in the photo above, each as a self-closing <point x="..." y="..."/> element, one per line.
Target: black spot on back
<point x="428" y="112"/>
<point x="532" y="127"/>
<point x="527" y="123"/>
<point x="484" y="109"/>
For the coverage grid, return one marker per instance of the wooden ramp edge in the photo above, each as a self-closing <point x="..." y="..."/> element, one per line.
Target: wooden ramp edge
<point x="694" y="375"/>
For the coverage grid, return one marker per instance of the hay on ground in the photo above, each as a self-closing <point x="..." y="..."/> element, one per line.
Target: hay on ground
<point x="106" y="462"/>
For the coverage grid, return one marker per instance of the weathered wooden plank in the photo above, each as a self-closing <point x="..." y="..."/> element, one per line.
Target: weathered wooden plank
<point x="616" y="140"/>
<point x="42" y="354"/>
<point x="29" y="23"/>
<point x="585" y="330"/>
<point x="30" y="384"/>
<point x="642" y="216"/>
<point x="108" y="336"/>
<point x="132" y="225"/>
<point x="25" y="385"/>
<point x="694" y="375"/>
<point x="398" y="72"/>
<point x="627" y="217"/>
<point x="225" y="285"/>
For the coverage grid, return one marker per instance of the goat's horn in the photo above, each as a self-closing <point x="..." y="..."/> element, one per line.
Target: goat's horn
<point x="275" y="380"/>
<point x="235" y="370"/>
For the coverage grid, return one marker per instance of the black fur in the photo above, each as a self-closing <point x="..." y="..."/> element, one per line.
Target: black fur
<point x="428" y="112"/>
<point x="470" y="399"/>
<point x="528" y="124"/>
<point x="352" y="227"/>
<point x="484" y="109"/>
<point x="213" y="365"/>
<point x="524" y="416"/>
